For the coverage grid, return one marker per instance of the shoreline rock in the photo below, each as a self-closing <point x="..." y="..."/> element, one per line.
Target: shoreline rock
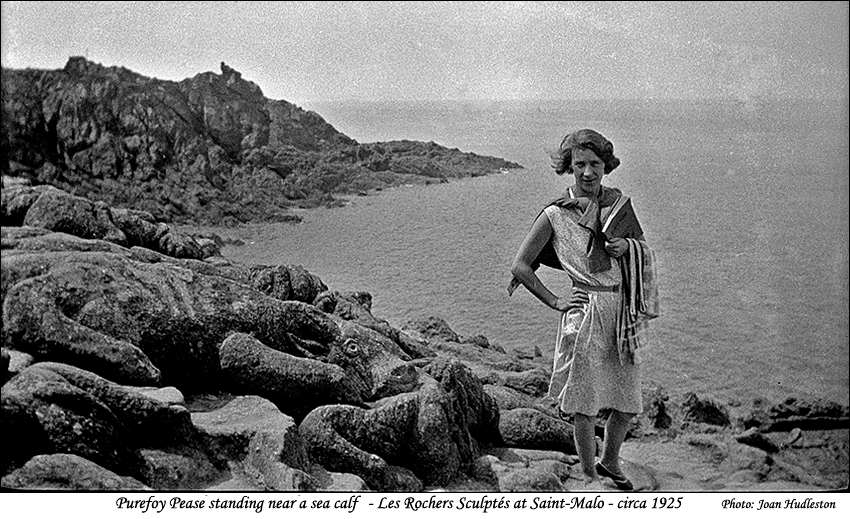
<point x="207" y="149"/>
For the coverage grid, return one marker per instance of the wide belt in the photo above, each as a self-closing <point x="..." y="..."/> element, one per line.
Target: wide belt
<point x="595" y="288"/>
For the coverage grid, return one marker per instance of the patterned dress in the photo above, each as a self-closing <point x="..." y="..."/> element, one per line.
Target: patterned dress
<point x="587" y="374"/>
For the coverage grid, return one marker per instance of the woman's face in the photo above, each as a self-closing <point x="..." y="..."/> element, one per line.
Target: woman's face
<point x="588" y="170"/>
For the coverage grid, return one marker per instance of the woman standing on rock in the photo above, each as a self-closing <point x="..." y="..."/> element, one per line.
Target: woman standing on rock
<point x="613" y="296"/>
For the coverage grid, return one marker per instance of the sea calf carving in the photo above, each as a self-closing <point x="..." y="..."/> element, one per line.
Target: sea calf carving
<point x="96" y="305"/>
<point x="404" y="442"/>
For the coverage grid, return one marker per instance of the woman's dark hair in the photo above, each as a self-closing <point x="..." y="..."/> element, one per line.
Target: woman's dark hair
<point x="562" y="159"/>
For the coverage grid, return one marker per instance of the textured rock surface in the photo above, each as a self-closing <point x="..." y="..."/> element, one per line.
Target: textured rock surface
<point x="426" y="437"/>
<point x="263" y="445"/>
<point x="141" y="323"/>
<point x="211" y="148"/>
<point x="531" y="428"/>
<point x="295" y="384"/>
<point x="68" y="472"/>
<point x="32" y="393"/>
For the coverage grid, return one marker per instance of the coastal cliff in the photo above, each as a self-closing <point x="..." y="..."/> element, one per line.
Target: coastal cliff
<point x="210" y="149"/>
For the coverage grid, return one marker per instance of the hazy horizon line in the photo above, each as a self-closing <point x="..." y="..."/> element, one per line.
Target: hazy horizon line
<point x="562" y="99"/>
<point x="730" y="97"/>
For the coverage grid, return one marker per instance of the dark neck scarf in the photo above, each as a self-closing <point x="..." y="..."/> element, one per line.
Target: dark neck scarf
<point x="591" y="219"/>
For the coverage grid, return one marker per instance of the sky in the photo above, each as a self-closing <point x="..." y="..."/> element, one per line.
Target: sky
<point x="342" y="51"/>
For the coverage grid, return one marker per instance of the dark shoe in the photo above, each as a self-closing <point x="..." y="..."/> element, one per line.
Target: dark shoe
<point x="620" y="480"/>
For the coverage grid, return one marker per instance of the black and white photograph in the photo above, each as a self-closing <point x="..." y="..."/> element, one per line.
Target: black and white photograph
<point x="425" y="257"/>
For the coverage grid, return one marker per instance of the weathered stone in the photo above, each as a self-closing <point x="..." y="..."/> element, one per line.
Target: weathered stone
<point x="816" y="457"/>
<point x="484" y="469"/>
<point x="433" y="432"/>
<point x="15" y="201"/>
<point x="8" y="181"/>
<point x="477" y="340"/>
<point x="18" y="360"/>
<point x="793" y="436"/>
<point x="532" y="479"/>
<point x="5" y="360"/>
<point x="142" y="230"/>
<point x="77" y="411"/>
<point x="127" y="320"/>
<point x="471" y="407"/>
<point x="167" y="395"/>
<point x="376" y="365"/>
<point x="148" y="421"/>
<point x="43" y="413"/>
<point x="360" y="365"/>
<point x="370" y="443"/>
<point x="68" y="472"/>
<point x="28" y="240"/>
<point x="487" y="364"/>
<point x="252" y="432"/>
<point x="523" y="470"/>
<point x="532" y="429"/>
<point x="808" y="414"/>
<point x="357" y="307"/>
<point x="754" y="438"/>
<point x="340" y="482"/>
<point x="181" y="469"/>
<point x="704" y="410"/>
<point x="431" y="327"/>
<point x="294" y="384"/>
<point x="507" y="398"/>
<point x="533" y="382"/>
<point x="35" y="323"/>
<point x="58" y="211"/>
<point x="732" y="457"/>
<point x="532" y="455"/>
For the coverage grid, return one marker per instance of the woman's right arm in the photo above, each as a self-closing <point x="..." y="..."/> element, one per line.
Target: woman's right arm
<point x="521" y="269"/>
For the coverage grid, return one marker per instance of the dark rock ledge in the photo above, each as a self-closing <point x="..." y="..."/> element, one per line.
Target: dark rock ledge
<point x="136" y="357"/>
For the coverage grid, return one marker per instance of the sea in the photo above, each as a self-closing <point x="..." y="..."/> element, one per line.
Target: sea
<point x="745" y="203"/>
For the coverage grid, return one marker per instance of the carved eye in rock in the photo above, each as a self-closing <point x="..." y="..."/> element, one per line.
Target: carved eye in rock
<point x="351" y="347"/>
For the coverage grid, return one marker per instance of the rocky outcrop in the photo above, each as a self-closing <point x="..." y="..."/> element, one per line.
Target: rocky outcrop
<point x="128" y="365"/>
<point x="48" y="208"/>
<point x="57" y="408"/>
<point x="794" y="413"/>
<point x="357" y="307"/>
<point x="208" y="149"/>
<point x="705" y="410"/>
<point x="68" y="472"/>
<point x="427" y="437"/>
<point x="297" y="385"/>
<point x="533" y="429"/>
<point x="261" y="444"/>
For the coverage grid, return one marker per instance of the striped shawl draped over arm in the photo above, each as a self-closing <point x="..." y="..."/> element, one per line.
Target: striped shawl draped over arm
<point x="638" y="298"/>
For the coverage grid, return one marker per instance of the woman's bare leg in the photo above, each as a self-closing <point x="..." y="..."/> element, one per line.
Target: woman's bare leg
<point x="585" y="438"/>
<point x="615" y="433"/>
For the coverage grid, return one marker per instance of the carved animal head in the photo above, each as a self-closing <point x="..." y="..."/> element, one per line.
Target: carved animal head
<point x="376" y="365"/>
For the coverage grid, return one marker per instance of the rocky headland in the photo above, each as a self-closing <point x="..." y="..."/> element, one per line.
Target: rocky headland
<point x="135" y="356"/>
<point x="210" y="149"/>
